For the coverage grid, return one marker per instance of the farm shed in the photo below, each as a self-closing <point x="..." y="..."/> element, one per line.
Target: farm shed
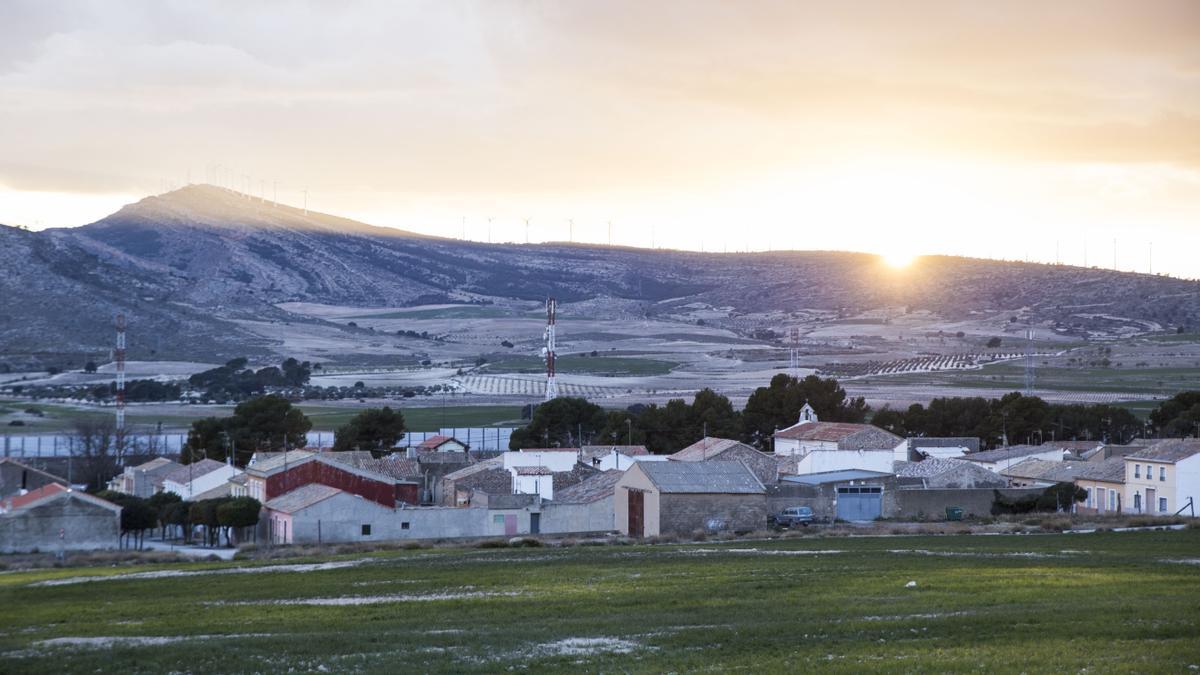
<point x="321" y="513"/>
<point x="654" y="498"/>
<point x="851" y="495"/>
<point x="834" y="446"/>
<point x="949" y="473"/>
<point x="1002" y="458"/>
<point x="54" y="518"/>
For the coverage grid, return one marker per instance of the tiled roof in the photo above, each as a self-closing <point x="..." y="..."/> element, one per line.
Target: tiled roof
<point x="1075" y="446"/>
<point x="158" y="464"/>
<point x="971" y="443"/>
<point x="190" y="472"/>
<point x="1111" y="470"/>
<point x="534" y="450"/>
<point x="928" y="468"/>
<point x="493" y="463"/>
<point x="848" y="436"/>
<point x="590" y="490"/>
<point x="839" y="476"/>
<point x="533" y="471"/>
<point x="433" y="442"/>
<point x="705" y="448"/>
<point x="701" y="477"/>
<point x="51" y="491"/>
<point x="1171" y="450"/>
<point x="1010" y="452"/>
<point x="1040" y="469"/>
<point x="301" y="498"/>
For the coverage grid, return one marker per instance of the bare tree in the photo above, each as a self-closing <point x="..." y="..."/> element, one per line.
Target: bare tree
<point x="98" y="450"/>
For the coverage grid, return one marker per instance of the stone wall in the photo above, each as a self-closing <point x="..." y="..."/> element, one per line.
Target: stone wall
<point x="687" y="513"/>
<point x="85" y="526"/>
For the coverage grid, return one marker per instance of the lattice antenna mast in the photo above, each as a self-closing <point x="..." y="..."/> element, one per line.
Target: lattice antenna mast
<point x="794" y="350"/>
<point x="548" y="350"/>
<point x="1030" y="368"/>
<point x="119" y="357"/>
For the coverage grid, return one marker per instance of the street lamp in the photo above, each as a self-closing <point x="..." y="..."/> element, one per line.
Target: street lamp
<point x="629" y="425"/>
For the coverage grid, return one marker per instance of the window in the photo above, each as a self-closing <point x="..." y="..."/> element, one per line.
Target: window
<point x="1089" y="497"/>
<point x="1137" y="502"/>
<point x="366" y="530"/>
<point x="1137" y="470"/>
<point x="1162" y="473"/>
<point x="499" y="520"/>
<point x="1112" y="500"/>
<point x="404" y="526"/>
<point x="1162" y="504"/>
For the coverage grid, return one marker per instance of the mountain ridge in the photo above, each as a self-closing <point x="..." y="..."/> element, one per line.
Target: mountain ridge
<point x="192" y="262"/>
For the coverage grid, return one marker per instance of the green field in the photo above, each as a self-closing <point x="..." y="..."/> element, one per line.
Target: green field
<point x="613" y="366"/>
<point x="1011" y="377"/>
<point x="1107" y="602"/>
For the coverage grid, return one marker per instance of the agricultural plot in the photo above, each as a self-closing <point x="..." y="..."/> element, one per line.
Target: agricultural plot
<point x="1104" y="602"/>
<point x="514" y="385"/>
<point x="1011" y="376"/>
<point x="921" y="364"/>
<point x="583" y="365"/>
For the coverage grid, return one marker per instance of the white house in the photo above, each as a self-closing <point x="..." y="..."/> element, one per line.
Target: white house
<point x="555" y="459"/>
<point x="441" y="444"/>
<point x="1002" y="459"/>
<point x="533" y="480"/>
<point x="941" y="447"/>
<point x="835" y="446"/>
<point x="194" y="479"/>
<point x="1163" y="478"/>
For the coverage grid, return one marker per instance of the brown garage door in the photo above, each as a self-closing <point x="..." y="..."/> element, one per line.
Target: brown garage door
<point x="637" y="512"/>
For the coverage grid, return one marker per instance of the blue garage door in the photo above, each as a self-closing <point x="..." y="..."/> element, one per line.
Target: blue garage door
<point x="859" y="503"/>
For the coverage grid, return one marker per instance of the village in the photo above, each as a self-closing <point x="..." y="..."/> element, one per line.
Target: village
<point x="442" y="489"/>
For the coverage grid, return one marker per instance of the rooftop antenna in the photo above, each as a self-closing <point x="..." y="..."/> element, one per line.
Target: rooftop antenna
<point x="1150" y="257"/>
<point x="610" y="233"/>
<point x="571" y="230"/>
<point x="464" y="228"/>
<point x="1057" y="260"/>
<point x="489" y="230"/>
<point x="119" y="357"/>
<point x="526" y="230"/>
<point x="548" y="350"/>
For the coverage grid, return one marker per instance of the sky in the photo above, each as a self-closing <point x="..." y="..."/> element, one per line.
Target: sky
<point x="1064" y="131"/>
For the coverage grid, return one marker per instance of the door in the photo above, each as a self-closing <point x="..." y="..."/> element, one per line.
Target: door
<point x="637" y="512"/>
<point x="1101" y="495"/>
<point x="510" y="524"/>
<point x="859" y="503"/>
<point x="1151" y="502"/>
<point x="535" y="523"/>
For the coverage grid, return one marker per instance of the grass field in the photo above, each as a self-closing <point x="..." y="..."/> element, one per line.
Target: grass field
<point x="1105" y="602"/>
<point x="583" y="365"/>
<point x="461" y="312"/>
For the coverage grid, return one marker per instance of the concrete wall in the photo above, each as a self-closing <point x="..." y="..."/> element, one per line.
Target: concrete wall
<point x="687" y="513"/>
<point x="597" y="516"/>
<point x="85" y="526"/>
<point x="14" y="478"/>
<point x="201" y="484"/>
<point x="932" y="503"/>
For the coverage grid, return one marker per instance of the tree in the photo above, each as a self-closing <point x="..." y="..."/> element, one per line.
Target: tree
<point x="777" y="406"/>
<point x="89" y="367"/>
<point x="163" y="503"/>
<point x="993" y="343"/>
<point x="266" y="423"/>
<point x="1178" y="415"/>
<point x="206" y="438"/>
<point x="374" y="429"/>
<point x="559" y="423"/>
<point x="204" y="512"/>
<point x="237" y="513"/>
<point x="137" y="515"/>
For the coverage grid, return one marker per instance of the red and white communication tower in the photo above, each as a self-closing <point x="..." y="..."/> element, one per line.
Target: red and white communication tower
<point x="548" y="350"/>
<point x="119" y="357"/>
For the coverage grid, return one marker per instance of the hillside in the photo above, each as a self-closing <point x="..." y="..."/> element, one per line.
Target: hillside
<point x="186" y="264"/>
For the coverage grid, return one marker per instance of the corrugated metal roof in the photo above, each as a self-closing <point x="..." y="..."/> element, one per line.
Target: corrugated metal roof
<point x="701" y="477"/>
<point x="493" y="463"/>
<point x="835" y="476"/>
<point x="301" y="498"/>
<point x="1171" y="450"/>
